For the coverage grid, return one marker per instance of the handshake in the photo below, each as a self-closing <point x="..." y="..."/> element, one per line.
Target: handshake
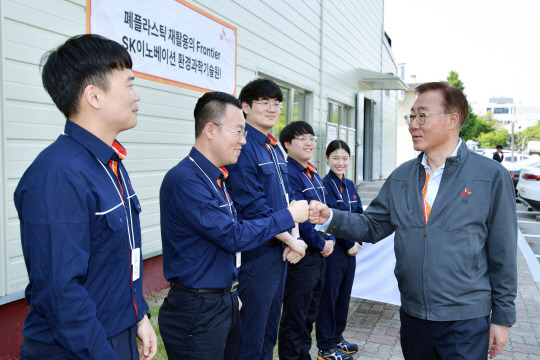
<point x="316" y="212"/>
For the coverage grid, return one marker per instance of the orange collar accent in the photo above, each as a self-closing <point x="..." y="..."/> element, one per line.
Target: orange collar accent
<point x="119" y="150"/>
<point x="273" y="140"/>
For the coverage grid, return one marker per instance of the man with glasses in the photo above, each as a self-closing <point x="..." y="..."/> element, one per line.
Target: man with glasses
<point x="200" y="232"/>
<point x="305" y="279"/>
<point x="454" y="216"/>
<point x="260" y="187"/>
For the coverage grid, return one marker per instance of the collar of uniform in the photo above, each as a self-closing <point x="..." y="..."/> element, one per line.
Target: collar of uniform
<point x="210" y="169"/>
<point x="271" y="139"/>
<point x="334" y="177"/>
<point x="257" y="136"/>
<point x="451" y="158"/>
<point x="92" y="143"/>
<point x="119" y="150"/>
<point x="224" y="172"/>
<point x="295" y="164"/>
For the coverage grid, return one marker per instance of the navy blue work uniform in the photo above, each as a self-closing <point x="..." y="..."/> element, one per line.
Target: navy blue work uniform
<point x="340" y="267"/>
<point x="200" y="319"/>
<point x="79" y="229"/>
<point x="305" y="279"/>
<point x="260" y="187"/>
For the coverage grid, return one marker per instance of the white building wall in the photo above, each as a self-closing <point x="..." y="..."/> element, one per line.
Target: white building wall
<point x="277" y="39"/>
<point x="389" y="116"/>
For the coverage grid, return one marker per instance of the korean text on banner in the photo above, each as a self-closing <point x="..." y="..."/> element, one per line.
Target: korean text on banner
<point x="170" y="41"/>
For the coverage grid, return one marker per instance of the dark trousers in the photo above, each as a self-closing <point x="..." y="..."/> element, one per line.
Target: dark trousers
<point x="334" y="307"/>
<point x="303" y="290"/>
<point x="124" y="344"/>
<point x="444" y="340"/>
<point x="262" y="278"/>
<point x="200" y="326"/>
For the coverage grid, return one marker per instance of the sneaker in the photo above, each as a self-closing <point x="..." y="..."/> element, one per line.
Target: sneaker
<point x="333" y="354"/>
<point x="347" y="347"/>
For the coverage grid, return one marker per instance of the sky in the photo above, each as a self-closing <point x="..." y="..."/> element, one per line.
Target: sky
<point x="494" y="45"/>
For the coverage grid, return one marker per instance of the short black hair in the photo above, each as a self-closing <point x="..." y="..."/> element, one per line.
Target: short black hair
<point x="296" y="128"/>
<point x="81" y="61"/>
<point x="337" y="144"/>
<point x="211" y="107"/>
<point x="260" y="89"/>
<point x="499" y="147"/>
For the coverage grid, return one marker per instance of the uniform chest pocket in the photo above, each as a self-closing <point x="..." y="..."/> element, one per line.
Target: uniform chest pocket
<point x="116" y="218"/>
<point x="284" y="168"/>
<point x="309" y="194"/>
<point x="135" y="204"/>
<point x="468" y="208"/>
<point x="268" y="173"/>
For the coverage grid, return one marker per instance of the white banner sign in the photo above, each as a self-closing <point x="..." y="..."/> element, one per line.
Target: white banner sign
<point x="170" y="41"/>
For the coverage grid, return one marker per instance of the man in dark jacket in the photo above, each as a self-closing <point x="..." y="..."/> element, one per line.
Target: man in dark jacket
<point x="453" y="213"/>
<point x="498" y="155"/>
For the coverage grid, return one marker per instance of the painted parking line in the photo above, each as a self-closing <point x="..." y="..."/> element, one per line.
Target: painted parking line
<point x="528" y="222"/>
<point x="537" y="236"/>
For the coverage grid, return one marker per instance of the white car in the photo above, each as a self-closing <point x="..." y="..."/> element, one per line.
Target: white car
<point x="508" y="161"/>
<point x="528" y="187"/>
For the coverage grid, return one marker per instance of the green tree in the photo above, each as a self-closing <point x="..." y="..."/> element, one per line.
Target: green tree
<point x="493" y="138"/>
<point x="471" y="128"/>
<point x="486" y="123"/>
<point x="532" y="133"/>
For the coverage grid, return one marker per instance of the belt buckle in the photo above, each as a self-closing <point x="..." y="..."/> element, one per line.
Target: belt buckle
<point x="234" y="286"/>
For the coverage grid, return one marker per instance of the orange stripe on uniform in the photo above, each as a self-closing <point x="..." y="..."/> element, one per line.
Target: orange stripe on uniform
<point x="427" y="208"/>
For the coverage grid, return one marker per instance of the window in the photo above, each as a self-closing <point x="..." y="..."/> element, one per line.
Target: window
<point x="343" y="116"/>
<point x="500" y="110"/>
<point x="340" y="114"/>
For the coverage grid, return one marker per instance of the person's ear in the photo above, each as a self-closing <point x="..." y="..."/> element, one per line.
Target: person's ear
<point x="454" y="121"/>
<point x="287" y="146"/>
<point x="209" y="131"/>
<point x="245" y="107"/>
<point x="91" y="95"/>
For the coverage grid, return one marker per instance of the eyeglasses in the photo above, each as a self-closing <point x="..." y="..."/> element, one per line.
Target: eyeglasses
<point x="421" y="118"/>
<point x="241" y="133"/>
<point x="267" y="105"/>
<point x="305" y="139"/>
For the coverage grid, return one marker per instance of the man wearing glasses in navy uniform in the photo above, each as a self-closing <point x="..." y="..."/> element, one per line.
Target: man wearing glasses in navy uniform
<point x="79" y="215"/>
<point x="201" y="236"/>
<point x="260" y="187"/>
<point x="454" y="216"/>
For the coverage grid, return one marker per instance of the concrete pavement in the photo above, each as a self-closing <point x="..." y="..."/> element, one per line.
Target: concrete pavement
<point x="375" y="326"/>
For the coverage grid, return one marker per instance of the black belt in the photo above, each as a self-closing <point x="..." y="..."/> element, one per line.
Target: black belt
<point x="273" y="242"/>
<point x="207" y="291"/>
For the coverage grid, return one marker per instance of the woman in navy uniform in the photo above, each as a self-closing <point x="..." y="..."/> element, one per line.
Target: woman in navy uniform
<point x="341" y="264"/>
